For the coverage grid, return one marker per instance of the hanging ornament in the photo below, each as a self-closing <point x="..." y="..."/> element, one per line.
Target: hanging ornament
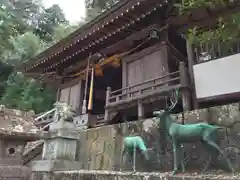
<point x="98" y="70"/>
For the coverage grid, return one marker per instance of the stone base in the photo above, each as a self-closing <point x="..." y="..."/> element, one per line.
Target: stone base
<point x="113" y="175"/>
<point x="54" y="165"/>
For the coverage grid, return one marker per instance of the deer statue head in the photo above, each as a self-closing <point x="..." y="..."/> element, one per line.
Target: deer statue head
<point x="163" y="113"/>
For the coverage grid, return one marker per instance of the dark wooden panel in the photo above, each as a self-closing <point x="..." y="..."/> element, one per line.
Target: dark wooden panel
<point x="144" y="65"/>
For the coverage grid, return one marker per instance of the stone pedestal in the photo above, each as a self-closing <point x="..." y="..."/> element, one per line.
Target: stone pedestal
<point x="59" y="150"/>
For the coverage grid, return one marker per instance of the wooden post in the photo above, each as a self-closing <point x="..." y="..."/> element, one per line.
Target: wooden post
<point x="58" y="94"/>
<point x="84" y="107"/>
<point x="61" y="73"/>
<point x="79" y="97"/>
<point x="184" y="81"/>
<point x="140" y="110"/>
<point x="190" y="53"/>
<point x="106" y="116"/>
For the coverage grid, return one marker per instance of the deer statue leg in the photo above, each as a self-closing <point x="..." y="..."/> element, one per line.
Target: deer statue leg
<point x="206" y="166"/>
<point x="181" y="149"/>
<point x="210" y="142"/>
<point x="134" y="157"/>
<point x="212" y="152"/>
<point x="123" y="152"/>
<point x="175" y="156"/>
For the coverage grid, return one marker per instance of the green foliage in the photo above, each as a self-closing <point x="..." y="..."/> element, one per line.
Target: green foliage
<point x="24" y="47"/>
<point x="227" y="29"/>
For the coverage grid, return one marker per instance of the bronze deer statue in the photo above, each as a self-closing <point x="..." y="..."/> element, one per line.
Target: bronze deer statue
<point x="188" y="133"/>
<point x="131" y="144"/>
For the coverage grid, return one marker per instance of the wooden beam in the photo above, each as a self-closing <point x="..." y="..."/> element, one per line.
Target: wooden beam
<point x="184" y="81"/>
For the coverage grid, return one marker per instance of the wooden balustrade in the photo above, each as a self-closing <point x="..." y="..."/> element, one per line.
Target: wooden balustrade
<point x="150" y="88"/>
<point x="215" y="50"/>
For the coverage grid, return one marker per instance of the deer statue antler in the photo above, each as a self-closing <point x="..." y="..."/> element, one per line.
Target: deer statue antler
<point x="174" y="100"/>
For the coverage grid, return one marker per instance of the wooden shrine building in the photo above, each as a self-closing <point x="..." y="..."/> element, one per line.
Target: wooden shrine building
<point x="120" y="66"/>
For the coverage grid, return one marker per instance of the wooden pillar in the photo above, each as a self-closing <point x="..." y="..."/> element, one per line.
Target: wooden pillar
<point x="61" y="73"/>
<point x="185" y="93"/>
<point x="106" y="116"/>
<point x="190" y="53"/>
<point x="124" y="74"/>
<point x="79" y="97"/>
<point x="140" y="110"/>
<point x="58" y="94"/>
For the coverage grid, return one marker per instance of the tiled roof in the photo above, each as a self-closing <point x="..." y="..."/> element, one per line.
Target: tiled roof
<point x="32" y="145"/>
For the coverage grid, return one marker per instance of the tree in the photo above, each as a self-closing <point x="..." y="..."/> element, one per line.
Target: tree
<point x="48" y="20"/>
<point x="24" y="47"/>
<point x="62" y="31"/>
<point x="5" y="71"/>
<point x="20" y="41"/>
<point x="21" y="92"/>
<point x="96" y="7"/>
<point x="100" y="4"/>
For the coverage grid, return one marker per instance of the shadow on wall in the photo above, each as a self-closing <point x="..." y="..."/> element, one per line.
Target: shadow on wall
<point x="100" y="148"/>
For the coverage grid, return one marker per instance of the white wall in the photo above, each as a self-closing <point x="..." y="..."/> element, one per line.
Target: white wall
<point x="217" y="77"/>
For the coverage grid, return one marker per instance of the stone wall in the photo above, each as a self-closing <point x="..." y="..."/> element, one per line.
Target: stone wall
<point x="100" y="148"/>
<point x="111" y="175"/>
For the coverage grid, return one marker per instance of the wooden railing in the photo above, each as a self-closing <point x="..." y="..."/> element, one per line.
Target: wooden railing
<point x="146" y="89"/>
<point x="44" y="120"/>
<point x="215" y="50"/>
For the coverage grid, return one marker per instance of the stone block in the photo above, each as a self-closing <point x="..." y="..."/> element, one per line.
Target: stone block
<point x="61" y="144"/>
<point x="114" y="175"/>
<point x="54" y="165"/>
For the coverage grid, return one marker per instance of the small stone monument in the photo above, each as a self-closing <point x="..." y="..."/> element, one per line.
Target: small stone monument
<point x="60" y="143"/>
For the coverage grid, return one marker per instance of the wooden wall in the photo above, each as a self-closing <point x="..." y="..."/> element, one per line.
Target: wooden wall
<point x="145" y="65"/>
<point x="72" y="94"/>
